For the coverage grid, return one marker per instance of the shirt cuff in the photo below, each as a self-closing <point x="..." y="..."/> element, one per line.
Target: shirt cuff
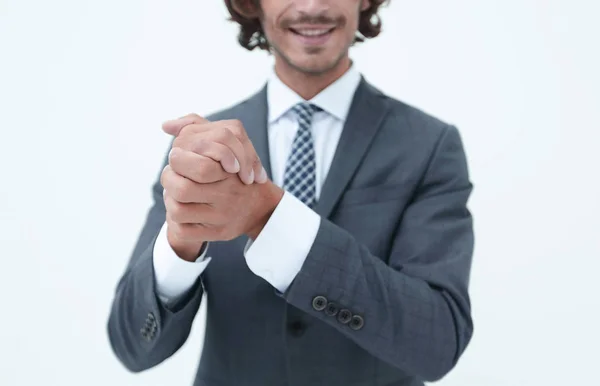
<point x="279" y="251"/>
<point x="174" y="276"/>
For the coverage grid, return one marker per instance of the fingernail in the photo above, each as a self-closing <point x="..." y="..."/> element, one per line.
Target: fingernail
<point x="236" y="165"/>
<point x="251" y="177"/>
<point x="262" y="177"/>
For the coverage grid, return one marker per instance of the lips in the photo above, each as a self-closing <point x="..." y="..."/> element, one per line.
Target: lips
<point x="312" y="36"/>
<point x="312" y="32"/>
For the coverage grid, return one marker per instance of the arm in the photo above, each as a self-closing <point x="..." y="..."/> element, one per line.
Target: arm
<point x="416" y="309"/>
<point x="202" y="181"/>
<point x="143" y="331"/>
<point x="175" y="276"/>
<point x="413" y="311"/>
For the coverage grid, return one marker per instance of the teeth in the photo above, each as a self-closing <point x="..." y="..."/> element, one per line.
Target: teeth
<point x="312" y="32"/>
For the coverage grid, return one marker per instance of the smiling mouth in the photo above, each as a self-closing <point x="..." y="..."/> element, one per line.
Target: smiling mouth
<point x="312" y="37"/>
<point x="312" y="32"/>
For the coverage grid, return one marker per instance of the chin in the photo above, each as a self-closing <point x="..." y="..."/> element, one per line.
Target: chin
<point x="309" y="60"/>
<point x="313" y="69"/>
<point x="314" y="65"/>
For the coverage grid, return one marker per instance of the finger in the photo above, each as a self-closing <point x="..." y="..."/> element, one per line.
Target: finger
<point x="190" y="213"/>
<point x="189" y="233"/>
<point x="192" y="138"/>
<point x="255" y="170"/>
<point x="213" y="150"/>
<point x="174" y="126"/>
<point x="183" y="189"/>
<point x="260" y="174"/>
<point x="220" y="153"/>
<point x="195" y="232"/>
<point x="198" y="168"/>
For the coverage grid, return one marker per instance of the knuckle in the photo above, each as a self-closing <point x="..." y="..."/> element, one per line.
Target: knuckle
<point x="163" y="176"/>
<point x="224" y="134"/>
<point x="181" y="190"/>
<point x="220" y="153"/>
<point x="200" y="145"/>
<point x="197" y="126"/>
<point x="166" y="177"/>
<point x="183" y="132"/>
<point x="174" y="155"/>
<point x="201" y="175"/>
<point x="205" y="169"/>
<point x="236" y="126"/>
<point x="180" y="140"/>
<point x="177" y="212"/>
<point x="227" y="152"/>
<point x="187" y="131"/>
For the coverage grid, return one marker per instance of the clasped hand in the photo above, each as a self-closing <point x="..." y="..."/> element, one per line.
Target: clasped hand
<point x="215" y="187"/>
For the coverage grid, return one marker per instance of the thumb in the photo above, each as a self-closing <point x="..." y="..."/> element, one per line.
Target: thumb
<point x="174" y="126"/>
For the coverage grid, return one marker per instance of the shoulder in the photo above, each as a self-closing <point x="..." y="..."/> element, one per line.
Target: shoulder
<point x="432" y="146"/>
<point x="238" y="109"/>
<point x="410" y="123"/>
<point x="412" y="116"/>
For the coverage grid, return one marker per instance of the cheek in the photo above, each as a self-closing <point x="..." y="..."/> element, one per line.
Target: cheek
<point x="271" y="30"/>
<point x="352" y="22"/>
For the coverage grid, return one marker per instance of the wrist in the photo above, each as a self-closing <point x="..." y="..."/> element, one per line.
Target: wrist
<point x="184" y="249"/>
<point x="269" y="202"/>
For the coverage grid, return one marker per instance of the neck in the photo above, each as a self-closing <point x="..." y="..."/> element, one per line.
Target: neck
<point x="307" y="85"/>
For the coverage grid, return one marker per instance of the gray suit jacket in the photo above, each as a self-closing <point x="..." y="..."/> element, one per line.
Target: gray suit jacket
<point x="382" y="298"/>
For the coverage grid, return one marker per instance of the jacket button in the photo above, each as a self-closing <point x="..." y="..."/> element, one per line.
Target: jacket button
<point x="148" y="332"/>
<point x="147" y="335"/>
<point x="357" y="322"/>
<point x="319" y="303"/>
<point x="344" y="316"/>
<point x="332" y="309"/>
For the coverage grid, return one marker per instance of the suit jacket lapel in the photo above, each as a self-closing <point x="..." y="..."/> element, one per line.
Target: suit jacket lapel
<point x="253" y="116"/>
<point x="367" y="113"/>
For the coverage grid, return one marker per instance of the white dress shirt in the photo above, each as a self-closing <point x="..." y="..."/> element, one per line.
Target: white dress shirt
<point x="279" y="251"/>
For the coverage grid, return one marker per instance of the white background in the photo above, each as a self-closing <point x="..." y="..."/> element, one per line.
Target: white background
<point x="85" y="86"/>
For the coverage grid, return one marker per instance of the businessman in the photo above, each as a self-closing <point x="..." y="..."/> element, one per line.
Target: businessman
<point x="325" y="222"/>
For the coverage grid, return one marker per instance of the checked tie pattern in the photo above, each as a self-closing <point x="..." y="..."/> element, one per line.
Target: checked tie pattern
<point x="300" y="172"/>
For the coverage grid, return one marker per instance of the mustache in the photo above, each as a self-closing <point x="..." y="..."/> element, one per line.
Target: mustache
<point x="314" y="19"/>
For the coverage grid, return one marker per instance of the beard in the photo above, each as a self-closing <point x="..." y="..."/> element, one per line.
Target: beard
<point x="318" y="68"/>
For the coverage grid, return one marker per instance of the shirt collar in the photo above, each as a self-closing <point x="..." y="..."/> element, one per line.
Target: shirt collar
<point x="335" y="99"/>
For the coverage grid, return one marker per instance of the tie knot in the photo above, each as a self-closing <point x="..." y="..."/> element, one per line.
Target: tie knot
<point x="304" y="111"/>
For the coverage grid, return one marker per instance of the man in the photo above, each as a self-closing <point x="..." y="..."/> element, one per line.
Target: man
<point x="325" y="222"/>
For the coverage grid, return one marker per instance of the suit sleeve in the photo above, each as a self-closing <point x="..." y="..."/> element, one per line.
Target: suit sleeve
<point x="413" y="311"/>
<point x="142" y="330"/>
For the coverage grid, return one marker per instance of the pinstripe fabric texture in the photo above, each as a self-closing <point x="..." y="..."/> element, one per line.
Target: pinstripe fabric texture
<point x="299" y="178"/>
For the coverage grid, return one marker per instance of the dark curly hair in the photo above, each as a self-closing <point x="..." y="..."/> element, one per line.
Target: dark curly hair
<point x="251" y="34"/>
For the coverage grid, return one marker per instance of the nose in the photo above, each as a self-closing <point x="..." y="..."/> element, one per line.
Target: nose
<point x="312" y="7"/>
